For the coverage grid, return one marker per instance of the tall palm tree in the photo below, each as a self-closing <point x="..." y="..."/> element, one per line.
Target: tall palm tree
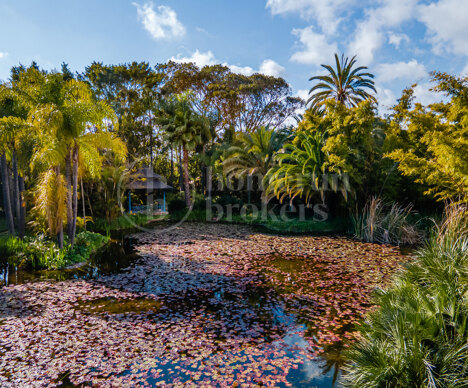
<point x="14" y="131"/>
<point x="253" y="154"/>
<point x="346" y="84"/>
<point x="183" y="128"/>
<point x="78" y="129"/>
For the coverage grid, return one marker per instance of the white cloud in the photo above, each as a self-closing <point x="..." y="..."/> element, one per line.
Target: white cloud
<point x="396" y="39"/>
<point x="446" y="22"/>
<point x="464" y="72"/>
<point x="245" y="70"/>
<point x="386" y="99"/>
<point x="367" y="40"/>
<point x="325" y="12"/>
<point x="161" y="23"/>
<point x="425" y="96"/>
<point x="200" y="59"/>
<point x="368" y="37"/>
<point x="3" y="55"/>
<point x="303" y="93"/>
<point x="270" y="67"/>
<point x="412" y="70"/>
<point x="315" y="48"/>
<point x="209" y="59"/>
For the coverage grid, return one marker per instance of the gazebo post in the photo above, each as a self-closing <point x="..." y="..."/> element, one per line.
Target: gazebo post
<point x="129" y="201"/>
<point x="164" y="201"/>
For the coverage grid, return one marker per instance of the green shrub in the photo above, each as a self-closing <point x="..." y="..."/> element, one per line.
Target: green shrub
<point x="86" y="243"/>
<point x="418" y="337"/>
<point x="42" y="253"/>
<point x="227" y="199"/>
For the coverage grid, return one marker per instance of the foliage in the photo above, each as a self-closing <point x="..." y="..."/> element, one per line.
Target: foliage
<point x="232" y="100"/>
<point x="51" y="199"/>
<point x="331" y="152"/>
<point x="253" y="154"/>
<point x="386" y="224"/>
<point x="132" y="90"/>
<point x="350" y="145"/>
<point x="345" y="84"/>
<point x="42" y="253"/>
<point x="185" y="129"/>
<point x="86" y="244"/>
<point x="430" y="143"/>
<point x="300" y="169"/>
<point x="418" y="336"/>
<point x="308" y="226"/>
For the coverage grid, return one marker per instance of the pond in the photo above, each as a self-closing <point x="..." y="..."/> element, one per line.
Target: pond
<point x="199" y="305"/>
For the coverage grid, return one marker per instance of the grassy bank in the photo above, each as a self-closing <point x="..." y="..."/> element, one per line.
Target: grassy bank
<point x="270" y="224"/>
<point x="124" y="223"/>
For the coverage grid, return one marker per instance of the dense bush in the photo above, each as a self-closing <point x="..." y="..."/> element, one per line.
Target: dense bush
<point x="40" y="252"/>
<point x="418" y="337"/>
<point x="229" y="200"/>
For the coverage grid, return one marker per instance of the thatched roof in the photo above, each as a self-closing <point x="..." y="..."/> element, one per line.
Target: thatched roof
<point x="146" y="179"/>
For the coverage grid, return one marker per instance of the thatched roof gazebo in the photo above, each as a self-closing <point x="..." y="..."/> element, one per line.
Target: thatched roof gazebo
<point x="146" y="179"/>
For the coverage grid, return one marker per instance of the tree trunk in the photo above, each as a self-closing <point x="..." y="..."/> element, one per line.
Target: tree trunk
<point x="16" y="191"/>
<point x="188" y="201"/>
<point x="59" y="221"/>
<point x="75" y="193"/>
<point x="181" y="174"/>
<point x="89" y="201"/>
<point x="209" y="181"/>
<point x="22" y="220"/>
<point x="172" y="168"/>
<point x="83" y="204"/>
<point x="151" y="144"/>
<point x="6" y="196"/>
<point x="68" y="178"/>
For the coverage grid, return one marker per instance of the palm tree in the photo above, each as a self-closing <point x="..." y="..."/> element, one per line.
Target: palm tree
<point x="344" y="84"/>
<point x="183" y="128"/>
<point x="73" y="130"/>
<point x="6" y="194"/>
<point x="299" y="170"/>
<point x="254" y="153"/>
<point x="14" y="130"/>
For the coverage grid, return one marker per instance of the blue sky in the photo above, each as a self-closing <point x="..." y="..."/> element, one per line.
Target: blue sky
<point x="399" y="40"/>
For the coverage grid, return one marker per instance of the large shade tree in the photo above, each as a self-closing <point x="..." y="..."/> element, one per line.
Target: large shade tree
<point x="230" y="100"/>
<point x="133" y="91"/>
<point x="346" y="83"/>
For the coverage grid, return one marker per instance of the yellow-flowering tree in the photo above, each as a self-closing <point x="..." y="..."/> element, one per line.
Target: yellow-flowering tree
<point x="430" y="143"/>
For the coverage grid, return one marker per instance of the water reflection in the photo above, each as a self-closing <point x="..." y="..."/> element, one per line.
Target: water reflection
<point x="113" y="258"/>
